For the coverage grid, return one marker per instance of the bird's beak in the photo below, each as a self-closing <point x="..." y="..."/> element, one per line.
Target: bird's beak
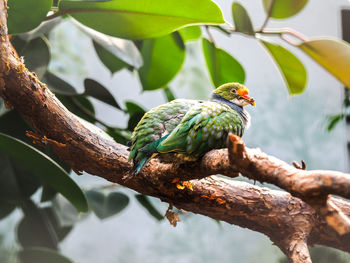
<point x="243" y="92"/>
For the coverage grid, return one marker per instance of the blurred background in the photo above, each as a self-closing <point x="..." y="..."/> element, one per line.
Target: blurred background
<point x="292" y="128"/>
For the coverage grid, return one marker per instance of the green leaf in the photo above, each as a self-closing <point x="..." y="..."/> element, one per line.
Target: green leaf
<point x="11" y="123"/>
<point x="190" y="33"/>
<point x="41" y="255"/>
<point x="61" y="230"/>
<point x="169" y="94"/>
<point x="113" y="63"/>
<point x="293" y="71"/>
<point x="132" y="108"/>
<point x="125" y="50"/>
<point x="140" y="19"/>
<point x="146" y="203"/>
<point x="222" y="66"/>
<point x="241" y="19"/>
<point x="66" y="214"/>
<point x="284" y="8"/>
<point x="135" y="113"/>
<point x="49" y="152"/>
<point x="163" y="58"/>
<point x="44" y="167"/>
<point x="25" y="15"/>
<point x="134" y="120"/>
<point x="35" y="228"/>
<point x="36" y="54"/>
<point x="96" y="90"/>
<point x="106" y="205"/>
<point x="16" y="183"/>
<point x="14" y="125"/>
<point x="44" y="28"/>
<point x="58" y="85"/>
<point x="48" y="193"/>
<point x="333" y="120"/>
<point x="331" y="54"/>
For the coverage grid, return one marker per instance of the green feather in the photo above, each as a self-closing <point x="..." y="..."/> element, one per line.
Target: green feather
<point x="209" y="118"/>
<point x="188" y="128"/>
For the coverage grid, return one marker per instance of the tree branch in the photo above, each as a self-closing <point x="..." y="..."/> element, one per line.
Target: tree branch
<point x="313" y="187"/>
<point x="288" y="221"/>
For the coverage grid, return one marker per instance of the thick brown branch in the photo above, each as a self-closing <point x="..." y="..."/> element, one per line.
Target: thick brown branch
<point x="257" y="165"/>
<point x="288" y="221"/>
<point x="312" y="186"/>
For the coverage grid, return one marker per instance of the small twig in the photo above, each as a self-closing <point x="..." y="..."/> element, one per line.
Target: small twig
<point x="298" y="166"/>
<point x="226" y="31"/>
<point x="268" y="15"/>
<point x="210" y="36"/>
<point x="283" y="32"/>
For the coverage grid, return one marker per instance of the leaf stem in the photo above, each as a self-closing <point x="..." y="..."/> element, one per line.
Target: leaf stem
<point x="283" y="32"/>
<point x="268" y="15"/>
<point x="210" y="36"/>
<point x="226" y="31"/>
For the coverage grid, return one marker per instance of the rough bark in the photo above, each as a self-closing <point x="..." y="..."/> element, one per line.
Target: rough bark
<point x="314" y="187"/>
<point x="304" y="215"/>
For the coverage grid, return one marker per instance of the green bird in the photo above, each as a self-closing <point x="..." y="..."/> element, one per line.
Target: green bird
<point x="184" y="130"/>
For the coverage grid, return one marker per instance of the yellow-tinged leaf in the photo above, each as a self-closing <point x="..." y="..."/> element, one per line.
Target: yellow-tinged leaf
<point x="332" y="54"/>
<point x="284" y="8"/>
<point x="292" y="70"/>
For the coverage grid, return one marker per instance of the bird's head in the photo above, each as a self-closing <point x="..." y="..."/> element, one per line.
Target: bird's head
<point x="236" y="93"/>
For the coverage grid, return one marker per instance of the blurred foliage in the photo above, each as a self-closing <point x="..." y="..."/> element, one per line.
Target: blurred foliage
<point x="147" y="204"/>
<point x="8" y="254"/>
<point x="335" y="119"/>
<point x="106" y="204"/>
<point x="155" y="45"/>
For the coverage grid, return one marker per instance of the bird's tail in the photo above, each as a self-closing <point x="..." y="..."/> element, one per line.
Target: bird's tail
<point x="140" y="162"/>
<point x="145" y="154"/>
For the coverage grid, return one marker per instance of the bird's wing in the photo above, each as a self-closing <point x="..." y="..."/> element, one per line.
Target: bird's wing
<point x="204" y="127"/>
<point x="157" y="123"/>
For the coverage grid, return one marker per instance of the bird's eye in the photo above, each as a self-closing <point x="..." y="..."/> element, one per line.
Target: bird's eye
<point x="233" y="91"/>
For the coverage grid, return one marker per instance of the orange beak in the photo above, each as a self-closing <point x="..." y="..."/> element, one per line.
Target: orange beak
<point x="243" y="92"/>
